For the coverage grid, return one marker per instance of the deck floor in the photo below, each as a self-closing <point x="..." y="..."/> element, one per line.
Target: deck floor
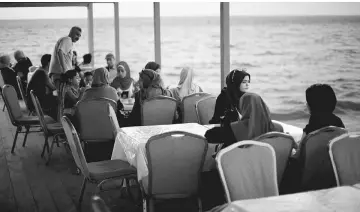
<point x="28" y="185"/>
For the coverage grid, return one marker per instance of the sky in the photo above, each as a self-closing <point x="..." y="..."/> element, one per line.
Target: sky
<point x="145" y="9"/>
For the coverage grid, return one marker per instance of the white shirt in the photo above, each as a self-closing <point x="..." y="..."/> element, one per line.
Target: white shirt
<point x="66" y="45"/>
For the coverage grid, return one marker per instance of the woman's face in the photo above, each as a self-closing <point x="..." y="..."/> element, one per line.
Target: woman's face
<point x="244" y="85"/>
<point x="121" y="71"/>
<point x="76" y="80"/>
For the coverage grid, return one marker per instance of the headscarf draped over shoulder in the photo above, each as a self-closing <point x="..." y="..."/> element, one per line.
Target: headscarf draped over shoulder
<point x="100" y="77"/>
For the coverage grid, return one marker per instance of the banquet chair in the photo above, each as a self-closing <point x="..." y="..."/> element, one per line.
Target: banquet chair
<point x="23" y="96"/>
<point x="175" y="161"/>
<point x="248" y="170"/>
<point x="283" y="145"/>
<point x="344" y="152"/>
<point x="188" y="107"/>
<point x="158" y="110"/>
<point x="95" y="172"/>
<point x="205" y="108"/>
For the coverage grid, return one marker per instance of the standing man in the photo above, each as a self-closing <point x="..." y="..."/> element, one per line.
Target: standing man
<point x="110" y="61"/>
<point x="61" y="58"/>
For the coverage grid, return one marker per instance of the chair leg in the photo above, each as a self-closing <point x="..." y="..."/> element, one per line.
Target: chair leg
<point x="82" y="191"/>
<point x="51" y="150"/>
<point x="18" y="129"/>
<point x="46" y="144"/>
<point x="4" y="107"/>
<point x="199" y="204"/>
<point x="151" y="206"/>
<point x="26" y="134"/>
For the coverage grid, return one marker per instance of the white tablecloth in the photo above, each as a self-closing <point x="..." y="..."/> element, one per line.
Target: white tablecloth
<point x="130" y="144"/>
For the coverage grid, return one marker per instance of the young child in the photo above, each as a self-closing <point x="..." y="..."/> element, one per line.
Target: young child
<point x="321" y="102"/>
<point x="88" y="78"/>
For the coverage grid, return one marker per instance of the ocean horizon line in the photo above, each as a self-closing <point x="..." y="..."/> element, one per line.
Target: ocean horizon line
<point x="187" y="17"/>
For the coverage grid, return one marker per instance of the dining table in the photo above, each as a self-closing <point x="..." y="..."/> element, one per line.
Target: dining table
<point x="338" y="199"/>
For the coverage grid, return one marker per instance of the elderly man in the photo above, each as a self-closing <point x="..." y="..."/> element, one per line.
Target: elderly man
<point x="61" y="58"/>
<point x="8" y="74"/>
<point x="22" y="66"/>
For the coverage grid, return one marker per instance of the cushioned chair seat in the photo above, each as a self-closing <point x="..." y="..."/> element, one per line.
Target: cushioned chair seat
<point x="55" y="128"/>
<point x="108" y="169"/>
<point x="28" y="120"/>
<point x="48" y="119"/>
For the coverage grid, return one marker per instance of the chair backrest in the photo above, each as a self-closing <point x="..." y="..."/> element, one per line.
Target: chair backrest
<point x="248" y="170"/>
<point x="205" y="108"/>
<point x="113" y="120"/>
<point x="283" y="145"/>
<point x="21" y="88"/>
<point x="158" y="110"/>
<point x="175" y="161"/>
<point x="2" y="83"/>
<point x="39" y="112"/>
<point x="316" y="168"/>
<point x="188" y="107"/>
<point x="93" y="119"/>
<point x="12" y="103"/>
<point x="75" y="145"/>
<point x="98" y="204"/>
<point x="344" y="153"/>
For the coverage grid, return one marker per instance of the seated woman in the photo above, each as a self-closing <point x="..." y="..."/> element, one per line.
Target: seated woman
<point x="123" y="82"/>
<point x="237" y="83"/>
<point x="100" y="87"/>
<point x="43" y="89"/>
<point x="150" y="86"/>
<point x="71" y="91"/>
<point x="321" y="102"/>
<point x="186" y="85"/>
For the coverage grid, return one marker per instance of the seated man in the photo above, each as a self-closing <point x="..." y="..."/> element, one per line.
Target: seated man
<point x="41" y="84"/>
<point x="22" y="66"/>
<point x="8" y="74"/>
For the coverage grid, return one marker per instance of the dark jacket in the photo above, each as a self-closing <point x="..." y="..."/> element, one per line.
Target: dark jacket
<point x="320" y="120"/>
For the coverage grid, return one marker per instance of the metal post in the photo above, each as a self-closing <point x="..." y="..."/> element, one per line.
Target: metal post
<point x="91" y="31"/>
<point x="157" y="32"/>
<point x="117" y="32"/>
<point x="225" y="41"/>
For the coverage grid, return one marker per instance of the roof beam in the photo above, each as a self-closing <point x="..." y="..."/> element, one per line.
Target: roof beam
<point x="45" y="4"/>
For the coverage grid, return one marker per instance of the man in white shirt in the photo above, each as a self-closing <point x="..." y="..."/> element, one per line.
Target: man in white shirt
<point x="61" y="58"/>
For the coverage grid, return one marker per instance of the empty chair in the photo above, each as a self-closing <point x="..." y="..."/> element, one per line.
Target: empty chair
<point x="175" y="161"/>
<point x="50" y="130"/>
<point x="283" y="145"/>
<point x="205" y="108"/>
<point x="158" y="110"/>
<point x="314" y="160"/>
<point x="17" y="118"/>
<point x="23" y="96"/>
<point x="95" y="172"/>
<point x="188" y="107"/>
<point x="345" y="158"/>
<point x="95" y="128"/>
<point x="98" y="204"/>
<point x="248" y="170"/>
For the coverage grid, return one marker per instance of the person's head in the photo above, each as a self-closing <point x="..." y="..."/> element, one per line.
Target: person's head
<point x="75" y="34"/>
<point x="88" y="78"/>
<point x="146" y="77"/>
<point x="123" y="69"/>
<point x="186" y="73"/>
<point x="100" y="77"/>
<point x="237" y="83"/>
<point x="253" y="108"/>
<point x="19" y="55"/>
<point x="110" y="60"/>
<point x="320" y="98"/>
<point x="153" y="66"/>
<point x="71" y="77"/>
<point x="87" y="58"/>
<point x="5" y="61"/>
<point x="45" y="61"/>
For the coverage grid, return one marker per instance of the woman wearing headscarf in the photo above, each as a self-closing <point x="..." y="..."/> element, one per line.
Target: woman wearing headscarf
<point x="150" y="86"/>
<point x="100" y="86"/>
<point x="186" y="85"/>
<point x="227" y="102"/>
<point x="123" y="82"/>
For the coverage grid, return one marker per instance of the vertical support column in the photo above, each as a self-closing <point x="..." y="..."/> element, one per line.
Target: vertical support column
<point x="224" y="41"/>
<point x="157" y="32"/>
<point x="117" y="32"/>
<point x="90" y="21"/>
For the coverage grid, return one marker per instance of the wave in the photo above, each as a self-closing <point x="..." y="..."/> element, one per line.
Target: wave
<point x="271" y="53"/>
<point x="348" y="105"/>
<point x="245" y="65"/>
<point x="298" y="114"/>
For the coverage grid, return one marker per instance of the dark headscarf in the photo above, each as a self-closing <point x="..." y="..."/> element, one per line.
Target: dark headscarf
<point x="100" y="77"/>
<point x="151" y="82"/>
<point x="122" y="83"/>
<point x="253" y="108"/>
<point x="153" y="66"/>
<point x="233" y="81"/>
